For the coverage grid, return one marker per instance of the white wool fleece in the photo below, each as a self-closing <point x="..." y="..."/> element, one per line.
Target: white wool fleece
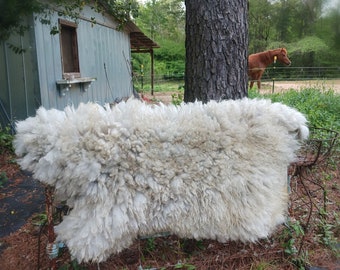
<point x="214" y="171"/>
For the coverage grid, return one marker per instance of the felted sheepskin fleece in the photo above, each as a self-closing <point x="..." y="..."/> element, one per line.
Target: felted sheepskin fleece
<point x="202" y="171"/>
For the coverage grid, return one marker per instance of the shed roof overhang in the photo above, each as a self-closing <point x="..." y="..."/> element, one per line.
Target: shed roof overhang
<point x="139" y="42"/>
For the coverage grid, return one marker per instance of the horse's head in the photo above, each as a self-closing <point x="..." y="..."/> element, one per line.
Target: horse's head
<point x="282" y="56"/>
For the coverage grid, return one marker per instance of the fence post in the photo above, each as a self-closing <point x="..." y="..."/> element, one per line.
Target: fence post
<point x="142" y="74"/>
<point x="275" y="57"/>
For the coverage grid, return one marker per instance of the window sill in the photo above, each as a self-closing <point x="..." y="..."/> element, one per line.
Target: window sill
<point x="65" y="85"/>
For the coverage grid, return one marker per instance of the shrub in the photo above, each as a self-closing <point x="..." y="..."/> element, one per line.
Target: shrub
<point x="6" y="139"/>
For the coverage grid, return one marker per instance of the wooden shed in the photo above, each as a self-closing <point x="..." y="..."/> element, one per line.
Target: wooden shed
<point x="83" y="62"/>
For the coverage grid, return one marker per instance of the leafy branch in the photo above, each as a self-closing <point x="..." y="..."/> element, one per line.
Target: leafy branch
<point x="14" y="12"/>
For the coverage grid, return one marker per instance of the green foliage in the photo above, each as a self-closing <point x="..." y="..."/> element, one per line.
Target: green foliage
<point x="176" y="99"/>
<point x="164" y="22"/>
<point x="15" y="49"/>
<point x="311" y="35"/>
<point x="73" y="265"/>
<point x="325" y="232"/>
<point x="165" y="86"/>
<point x="13" y="12"/>
<point x="6" y="139"/>
<point x="260" y="25"/>
<point x="3" y="179"/>
<point x="291" y="235"/>
<point x="262" y="266"/>
<point x="185" y="266"/>
<point x="310" y="44"/>
<point x="309" y="51"/>
<point x="294" y="19"/>
<point x="150" y="244"/>
<point x="39" y="219"/>
<point x="320" y="107"/>
<point x="121" y="10"/>
<point x="169" y="60"/>
<point x="12" y="16"/>
<point x="173" y="55"/>
<point x="163" y="19"/>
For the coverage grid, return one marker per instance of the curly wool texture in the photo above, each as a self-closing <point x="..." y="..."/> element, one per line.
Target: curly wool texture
<point x="203" y="171"/>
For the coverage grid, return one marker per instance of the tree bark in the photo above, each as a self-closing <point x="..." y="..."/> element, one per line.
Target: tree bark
<point x="216" y="50"/>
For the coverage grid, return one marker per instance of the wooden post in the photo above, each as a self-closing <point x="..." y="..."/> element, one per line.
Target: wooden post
<point x="51" y="248"/>
<point x="152" y="71"/>
<point x="275" y="58"/>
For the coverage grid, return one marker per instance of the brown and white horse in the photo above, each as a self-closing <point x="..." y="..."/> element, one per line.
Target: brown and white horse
<point x="258" y="62"/>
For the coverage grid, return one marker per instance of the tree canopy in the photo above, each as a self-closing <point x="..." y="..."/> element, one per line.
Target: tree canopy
<point x="272" y="23"/>
<point x="308" y="29"/>
<point x="164" y="22"/>
<point x="12" y="15"/>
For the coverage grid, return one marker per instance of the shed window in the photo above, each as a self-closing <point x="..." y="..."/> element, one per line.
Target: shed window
<point x="69" y="49"/>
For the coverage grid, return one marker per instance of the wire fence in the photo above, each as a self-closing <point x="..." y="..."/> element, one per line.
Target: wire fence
<point x="270" y="74"/>
<point x="301" y="73"/>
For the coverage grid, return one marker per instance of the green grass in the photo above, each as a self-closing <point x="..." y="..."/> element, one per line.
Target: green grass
<point x="6" y="139"/>
<point x="166" y="86"/>
<point x="320" y="107"/>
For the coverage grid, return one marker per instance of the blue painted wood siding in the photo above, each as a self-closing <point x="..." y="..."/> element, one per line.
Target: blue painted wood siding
<point x="99" y="46"/>
<point x="28" y="80"/>
<point x="19" y="84"/>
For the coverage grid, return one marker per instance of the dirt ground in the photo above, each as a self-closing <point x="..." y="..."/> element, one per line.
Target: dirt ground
<point x="267" y="87"/>
<point x="324" y="85"/>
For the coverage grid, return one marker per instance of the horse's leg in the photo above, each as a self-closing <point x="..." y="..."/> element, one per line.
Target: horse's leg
<point x="259" y="79"/>
<point x="251" y="84"/>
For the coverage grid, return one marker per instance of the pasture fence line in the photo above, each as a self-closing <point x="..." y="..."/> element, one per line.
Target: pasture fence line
<point x="300" y="73"/>
<point x="279" y="73"/>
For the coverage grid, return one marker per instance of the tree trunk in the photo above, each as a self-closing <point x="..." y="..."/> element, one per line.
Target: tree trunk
<point x="216" y="50"/>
